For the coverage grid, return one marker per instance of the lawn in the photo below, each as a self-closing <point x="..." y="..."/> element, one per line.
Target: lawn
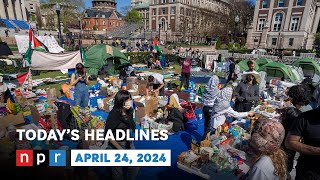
<point x="51" y="74"/>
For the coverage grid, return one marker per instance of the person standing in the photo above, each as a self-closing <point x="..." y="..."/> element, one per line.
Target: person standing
<point x="80" y="79"/>
<point x="247" y="93"/>
<point x="185" y="72"/>
<point x="304" y="137"/>
<point x="7" y="32"/>
<point x="121" y="118"/>
<point x="268" y="160"/>
<point x="210" y="94"/>
<point x="232" y="75"/>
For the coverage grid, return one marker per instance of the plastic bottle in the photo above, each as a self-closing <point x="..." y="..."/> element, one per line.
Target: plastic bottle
<point x="192" y="96"/>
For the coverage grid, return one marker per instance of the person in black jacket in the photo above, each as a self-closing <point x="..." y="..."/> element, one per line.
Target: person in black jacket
<point x="232" y="75"/>
<point x="247" y="93"/>
<point x="121" y="117"/>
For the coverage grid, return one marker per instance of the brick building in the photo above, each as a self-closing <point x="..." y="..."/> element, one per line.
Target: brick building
<point x="103" y="16"/>
<point x="182" y="20"/>
<point x="289" y="24"/>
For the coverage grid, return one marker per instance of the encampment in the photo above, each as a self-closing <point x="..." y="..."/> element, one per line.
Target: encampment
<point x="103" y="54"/>
<point x="4" y="49"/>
<point x="276" y="70"/>
<point x="309" y="67"/>
<point x="262" y="61"/>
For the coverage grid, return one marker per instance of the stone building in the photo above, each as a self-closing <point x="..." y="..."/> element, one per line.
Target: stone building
<point x="13" y="10"/>
<point x="284" y="24"/>
<point x="32" y="5"/>
<point x="138" y="2"/>
<point x="103" y="16"/>
<point x="185" y="20"/>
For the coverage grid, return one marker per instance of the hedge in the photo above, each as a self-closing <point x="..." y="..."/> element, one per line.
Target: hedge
<point x="6" y="69"/>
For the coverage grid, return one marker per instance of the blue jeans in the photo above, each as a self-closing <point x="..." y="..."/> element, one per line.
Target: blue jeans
<point x="81" y="98"/>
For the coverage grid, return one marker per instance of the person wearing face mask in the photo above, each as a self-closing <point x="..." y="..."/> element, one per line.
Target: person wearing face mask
<point x="80" y="79"/>
<point x="121" y="117"/>
<point x="247" y="92"/>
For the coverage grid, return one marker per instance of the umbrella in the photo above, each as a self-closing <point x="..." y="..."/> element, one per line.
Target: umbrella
<point x="254" y="73"/>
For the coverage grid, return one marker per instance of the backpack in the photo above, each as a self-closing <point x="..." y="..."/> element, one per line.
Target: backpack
<point x="237" y="69"/>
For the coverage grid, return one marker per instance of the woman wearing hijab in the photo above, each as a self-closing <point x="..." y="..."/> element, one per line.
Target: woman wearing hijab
<point x="269" y="160"/>
<point x="121" y="117"/>
<point x="80" y="79"/>
<point x="222" y="109"/>
<point x="247" y="93"/>
<point x="210" y="94"/>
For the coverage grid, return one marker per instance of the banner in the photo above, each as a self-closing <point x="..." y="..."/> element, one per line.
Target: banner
<point x="49" y="61"/>
<point x="49" y="41"/>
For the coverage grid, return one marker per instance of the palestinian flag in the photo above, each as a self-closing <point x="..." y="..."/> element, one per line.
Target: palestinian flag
<point x="36" y="43"/>
<point x="18" y="79"/>
<point x="156" y="46"/>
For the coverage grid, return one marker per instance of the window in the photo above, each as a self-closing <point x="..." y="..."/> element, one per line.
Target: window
<point x="154" y="12"/>
<point x="261" y="23"/>
<point x="147" y="15"/>
<point x="265" y="4"/>
<point x="155" y="2"/>
<point x="104" y="22"/>
<point x="291" y="41"/>
<point x="181" y="11"/>
<point x="281" y="3"/>
<point x="274" y="41"/>
<point x="97" y="23"/>
<point x="294" y="24"/>
<point x="173" y="10"/>
<point x="277" y="22"/>
<point x="173" y="1"/>
<point x="163" y="1"/>
<point x="163" y="10"/>
<point x="299" y="3"/>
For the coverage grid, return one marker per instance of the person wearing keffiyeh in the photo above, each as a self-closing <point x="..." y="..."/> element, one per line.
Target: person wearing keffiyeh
<point x="222" y="109"/>
<point x="210" y="94"/>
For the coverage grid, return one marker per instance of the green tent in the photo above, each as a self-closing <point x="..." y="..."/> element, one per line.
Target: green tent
<point x="308" y="66"/>
<point x="102" y="54"/>
<point x="263" y="61"/>
<point x="244" y="67"/>
<point x="278" y="70"/>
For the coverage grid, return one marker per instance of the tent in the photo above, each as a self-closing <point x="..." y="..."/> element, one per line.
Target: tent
<point x="4" y="49"/>
<point x="103" y="54"/>
<point x="279" y="70"/>
<point x="263" y="61"/>
<point x="49" y="61"/>
<point x="244" y="67"/>
<point x="309" y="67"/>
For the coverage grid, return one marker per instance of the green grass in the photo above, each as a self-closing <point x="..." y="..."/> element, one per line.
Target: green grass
<point x="51" y="74"/>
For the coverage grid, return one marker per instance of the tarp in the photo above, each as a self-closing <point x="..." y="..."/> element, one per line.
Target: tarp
<point x="49" y="41"/>
<point x="4" y="49"/>
<point x="102" y="54"/>
<point x="49" y="61"/>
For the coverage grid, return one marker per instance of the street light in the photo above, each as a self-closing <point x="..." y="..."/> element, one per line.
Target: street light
<point x="236" y="20"/>
<point x="58" y="10"/>
<point x="144" y="33"/>
<point x="159" y="31"/>
<point x="80" y="34"/>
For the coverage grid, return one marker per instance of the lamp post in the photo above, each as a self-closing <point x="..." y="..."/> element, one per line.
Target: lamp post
<point x="159" y="31"/>
<point x="230" y="33"/>
<point x="166" y="36"/>
<point x="58" y="10"/>
<point x="236" y="20"/>
<point x="144" y="33"/>
<point x="80" y="34"/>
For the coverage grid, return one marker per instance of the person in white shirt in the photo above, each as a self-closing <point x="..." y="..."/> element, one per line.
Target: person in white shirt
<point x="156" y="82"/>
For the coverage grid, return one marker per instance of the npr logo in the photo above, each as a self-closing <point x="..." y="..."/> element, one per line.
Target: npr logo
<point x="40" y="158"/>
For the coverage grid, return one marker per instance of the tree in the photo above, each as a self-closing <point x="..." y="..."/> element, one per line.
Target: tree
<point x="133" y="16"/>
<point x="39" y="18"/>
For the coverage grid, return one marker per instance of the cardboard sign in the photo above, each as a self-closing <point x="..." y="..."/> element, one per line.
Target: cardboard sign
<point x="11" y="119"/>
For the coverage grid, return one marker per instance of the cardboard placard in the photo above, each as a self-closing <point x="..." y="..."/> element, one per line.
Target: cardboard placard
<point x="107" y="107"/>
<point x="11" y="119"/>
<point x="131" y="81"/>
<point x="151" y="106"/>
<point x="140" y="114"/>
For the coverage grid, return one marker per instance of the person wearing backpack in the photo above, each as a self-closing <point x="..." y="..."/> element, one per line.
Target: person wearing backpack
<point x="233" y="71"/>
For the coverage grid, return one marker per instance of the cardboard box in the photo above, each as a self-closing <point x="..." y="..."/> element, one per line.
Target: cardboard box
<point x="131" y="81"/>
<point x="107" y="106"/>
<point x="151" y="106"/>
<point x="133" y="93"/>
<point x="140" y="114"/>
<point x="142" y="87"/>
<point x="11" y="119"/>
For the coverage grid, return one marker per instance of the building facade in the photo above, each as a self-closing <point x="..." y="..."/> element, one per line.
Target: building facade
<point x="135" y="3"/>
<point x="143" y="9"/>
<point x="184" y="20"/>
<point x="103" y="16"/>
<point x="284" y="24"/>
<point x="32" y="5"/>
<point x="13" y="10"/>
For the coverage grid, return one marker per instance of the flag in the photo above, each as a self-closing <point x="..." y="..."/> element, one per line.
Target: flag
<point x="28" y="53"/>
<point x="21" y="78"/>
<point x="38" y="45"/>
<point x="155" y="41"/>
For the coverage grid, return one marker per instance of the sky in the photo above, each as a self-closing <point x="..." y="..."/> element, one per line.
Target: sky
<point x="120" y="3"/>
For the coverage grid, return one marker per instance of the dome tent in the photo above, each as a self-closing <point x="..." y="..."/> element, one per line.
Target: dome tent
<point x="103" y="54"/>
